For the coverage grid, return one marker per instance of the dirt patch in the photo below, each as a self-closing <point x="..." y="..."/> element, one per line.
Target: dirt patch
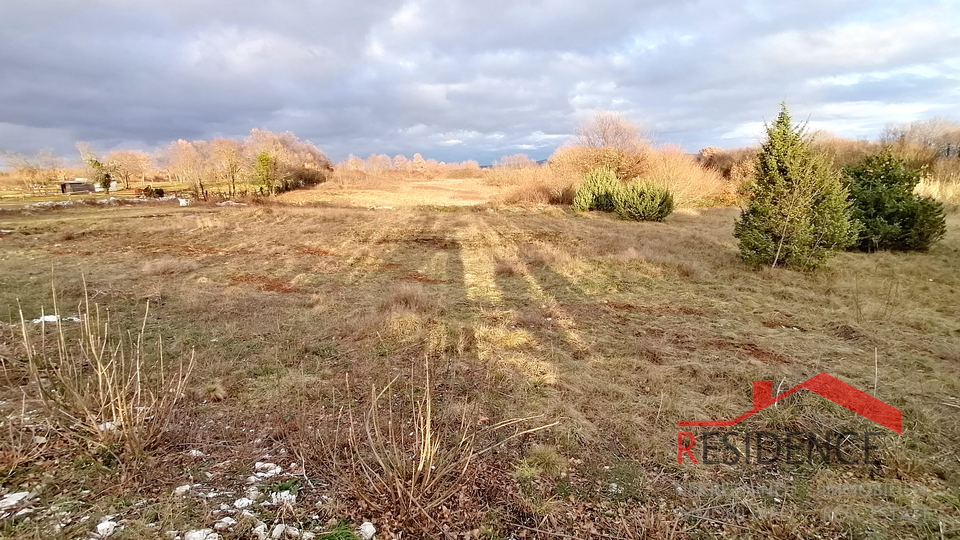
<point x="420" y="277"/>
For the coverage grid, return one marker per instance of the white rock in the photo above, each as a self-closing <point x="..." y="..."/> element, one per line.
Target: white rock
<point x="283" y="497"/>
<point x="196" y="453"/>
<point x="184" y="202"/>
<point x="224" y="523"/>
<point x="106" y="528"/>
<point x="308" y="536"/>
<point x="260" y="531"/>
<point x="278" y="531"/>
<point x="367" y="530"/>
<point x="201" y="534"/>
<point x="242" y="503"/>
<point x="14" y="499"/>
<point x="180" y="490"/>
<point x="266" y="470"/>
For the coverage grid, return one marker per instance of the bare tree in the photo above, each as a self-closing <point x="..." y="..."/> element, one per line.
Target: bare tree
<point x="25" y="169"/>
<point x="187" y="163"/>
<point x="610" y="130"/>
<point x="940" y="135"/>
<point x="296" y="163"/>
<point x="128" y="164"/>
<point x="516" y="161"/>
<point x="400" y="162"/>
<point x="227" y="161"/>
<point x="378" y="163"/>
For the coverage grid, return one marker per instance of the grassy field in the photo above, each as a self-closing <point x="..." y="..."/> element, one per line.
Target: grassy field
<point x="602" y="332"/>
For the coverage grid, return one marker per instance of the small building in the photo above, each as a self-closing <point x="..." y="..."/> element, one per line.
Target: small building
<point x="76" y="187"/>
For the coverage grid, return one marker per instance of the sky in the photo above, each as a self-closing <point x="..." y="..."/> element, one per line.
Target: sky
<point x="465" y="79"/>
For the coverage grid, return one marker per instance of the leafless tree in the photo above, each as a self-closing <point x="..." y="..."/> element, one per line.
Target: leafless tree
<point x="401" y="163"/>
<point x="940" y="135"/>
<point x="128" y="164"/>
<point x="39" y="171"/>
<point x="227" y="161"/>
<point x="297" y="163"/>
<point x="379" y="163"/>
<point x="516" y="161"/>
<point x="186" y="162"/>
<point x="610" y="130"/>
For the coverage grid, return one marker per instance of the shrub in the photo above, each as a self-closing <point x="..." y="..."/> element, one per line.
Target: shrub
<point x="691" y="183"/>
<point x="893" y="216"/>
<point x="574" y="161"/>
<point x="640" y="201"/>
<point x="798" y="213"/>
<point x="597" y="192"/>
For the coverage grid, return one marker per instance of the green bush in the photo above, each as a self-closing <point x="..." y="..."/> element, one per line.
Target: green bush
<point x="597" y="192"/>
<point x="798" y="213"/>
<point x="893" y="216"/>
<point x="639" y="201"/>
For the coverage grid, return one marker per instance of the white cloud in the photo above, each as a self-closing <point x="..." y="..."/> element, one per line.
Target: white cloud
<point x="457" y="79"/>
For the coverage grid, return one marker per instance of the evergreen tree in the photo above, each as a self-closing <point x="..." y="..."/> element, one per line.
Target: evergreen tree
<point x="894" y="217"/>
<point x="798" y="213"/>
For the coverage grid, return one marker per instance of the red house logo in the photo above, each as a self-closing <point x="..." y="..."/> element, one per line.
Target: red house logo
<point x="826" y="386"/>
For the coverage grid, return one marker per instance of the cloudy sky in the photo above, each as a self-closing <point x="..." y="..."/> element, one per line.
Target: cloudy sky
<point x="458" y="79"/>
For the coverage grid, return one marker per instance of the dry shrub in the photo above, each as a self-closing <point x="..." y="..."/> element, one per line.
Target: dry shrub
<point x="575" y="161"/>
<point x="842" y="152"/>
<point x="461" y="174"/>
<point x="537" y="184"/>
<point x="410" y="297"/>
<point x="413" y="472"/>
<point x="104" y="388"/>
<point x="169" y="266"/>
<point x="690" y="183"/>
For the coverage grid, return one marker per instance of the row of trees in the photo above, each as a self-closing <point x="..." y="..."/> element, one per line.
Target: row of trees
<point x="264" y="162"/>
<point x="381" y="163"/>
<point x="801" y="210"/>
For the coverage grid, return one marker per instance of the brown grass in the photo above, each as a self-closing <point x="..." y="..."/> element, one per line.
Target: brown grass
<point x="615" y="329"/>
<point x="170" y="266"/>
<point x="410" y="297"/>
<point x="508" y="267"/>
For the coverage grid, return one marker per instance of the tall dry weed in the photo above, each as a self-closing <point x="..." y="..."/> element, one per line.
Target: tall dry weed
<point x="408" y="462"/>
<point x="100" y="385"/>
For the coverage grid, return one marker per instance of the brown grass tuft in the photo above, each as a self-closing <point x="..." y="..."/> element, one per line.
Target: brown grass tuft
<point x="410" y="296"/>
<point x="170" y="266"/>
<point x="508" y="267"/>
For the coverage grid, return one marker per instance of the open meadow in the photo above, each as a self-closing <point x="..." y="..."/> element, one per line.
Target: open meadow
<point x="456" y="367"/>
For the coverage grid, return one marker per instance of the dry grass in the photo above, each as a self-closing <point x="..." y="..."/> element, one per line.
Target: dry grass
<point x="508" y="267"/>
<point x="170" y="266"/>
<point x="410" y="297"/>
<point x="616" y="330"/>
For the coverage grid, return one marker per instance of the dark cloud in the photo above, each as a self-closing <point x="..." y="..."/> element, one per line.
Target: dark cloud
<point x="461" y="80"/>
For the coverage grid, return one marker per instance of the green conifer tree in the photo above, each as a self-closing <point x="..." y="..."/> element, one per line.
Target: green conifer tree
<point x="798" y="213"/>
